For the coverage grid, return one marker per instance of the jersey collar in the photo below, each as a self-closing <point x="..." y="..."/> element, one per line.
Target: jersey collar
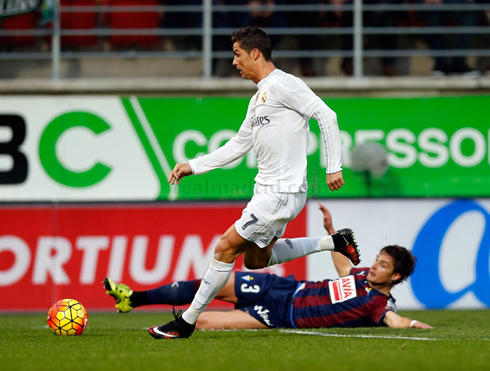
<point x="261" y="82"/>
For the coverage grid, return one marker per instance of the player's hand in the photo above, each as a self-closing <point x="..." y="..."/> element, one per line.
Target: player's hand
<point x="421" y="325"/>
<point x="179" y="171"/>
<point x="335" y="181"/>
<point x="327" y="219"/>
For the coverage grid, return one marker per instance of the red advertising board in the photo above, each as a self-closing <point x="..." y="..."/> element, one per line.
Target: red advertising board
<point x="49" y="253"/>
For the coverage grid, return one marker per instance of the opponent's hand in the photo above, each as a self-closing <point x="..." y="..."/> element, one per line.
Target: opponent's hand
<point x="179" y="171"/>
<point x="335" y="181"/>
<point x="421" y="325"/>
<point x="327" y="219"/>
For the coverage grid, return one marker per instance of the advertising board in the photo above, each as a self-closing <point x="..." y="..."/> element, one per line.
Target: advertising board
<point x="47" y="253"/>
<point x="451" y="239"/>
<point x="108" y="148"/>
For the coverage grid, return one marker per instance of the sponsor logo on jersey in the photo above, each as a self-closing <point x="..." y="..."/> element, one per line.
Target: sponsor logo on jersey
<point x="264" y="314"/>
<point x="288" y="241"/>
<point x="260" y="121"/>
<point x="264" y="240"/>
<point x="342" y="289"/>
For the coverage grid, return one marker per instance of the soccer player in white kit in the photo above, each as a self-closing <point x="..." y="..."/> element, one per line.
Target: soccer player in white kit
<point x="276" y="127"/>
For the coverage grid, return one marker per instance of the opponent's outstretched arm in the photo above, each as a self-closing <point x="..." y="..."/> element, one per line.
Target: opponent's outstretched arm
<point x="342" y="263"/>
<point x="392" y="319"/>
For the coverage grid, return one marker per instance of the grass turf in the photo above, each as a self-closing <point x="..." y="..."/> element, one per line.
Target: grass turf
<point x="120" y="342"/>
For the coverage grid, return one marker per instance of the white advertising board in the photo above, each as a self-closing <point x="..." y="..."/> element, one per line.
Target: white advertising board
<point x="451" y="239"/>
<point x="73" y="149"/>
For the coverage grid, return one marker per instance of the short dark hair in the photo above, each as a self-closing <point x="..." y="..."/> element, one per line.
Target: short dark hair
<point x="251" y="38"/>
<point x="403" y="261"/>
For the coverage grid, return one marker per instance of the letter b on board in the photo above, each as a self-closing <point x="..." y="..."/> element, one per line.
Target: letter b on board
<point x="18" y="172"/>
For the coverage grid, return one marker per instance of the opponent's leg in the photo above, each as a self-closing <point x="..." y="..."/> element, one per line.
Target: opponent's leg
<point x="177" y="293"/>
<point x="121" y="294"/>
<point x="232" y="320"/>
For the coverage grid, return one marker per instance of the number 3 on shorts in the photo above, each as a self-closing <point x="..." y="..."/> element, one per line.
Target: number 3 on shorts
<point x="246" y="288"/>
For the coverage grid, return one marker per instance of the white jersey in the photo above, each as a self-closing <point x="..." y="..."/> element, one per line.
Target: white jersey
<point x="276" y="126"/>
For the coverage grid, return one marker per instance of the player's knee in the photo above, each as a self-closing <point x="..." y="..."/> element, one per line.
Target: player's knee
<point x="225" y="251"/>
<point x="252" y="265"/>
<point x="254" y="262"/>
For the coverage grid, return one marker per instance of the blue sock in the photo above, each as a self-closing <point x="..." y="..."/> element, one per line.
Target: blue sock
<point x="177" y="293"/>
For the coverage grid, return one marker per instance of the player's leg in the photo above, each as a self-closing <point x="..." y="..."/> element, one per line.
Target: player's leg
<point x="227" y="250"/>
<point x="265" y="226"/>
<point x="287" y="249"/>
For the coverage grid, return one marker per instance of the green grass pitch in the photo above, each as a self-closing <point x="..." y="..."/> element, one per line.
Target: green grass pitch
<point x="459" y="341"/>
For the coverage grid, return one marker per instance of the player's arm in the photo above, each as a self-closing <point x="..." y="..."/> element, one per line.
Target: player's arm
<point x="316" y="108"/>
<point x="296" y="95"/>
<point x="235" y="148"/>
<point x="342" y="263"/>
<point x="392" y="319"/>
<point x="327" y="121"/>
<point x="179" y="171"/>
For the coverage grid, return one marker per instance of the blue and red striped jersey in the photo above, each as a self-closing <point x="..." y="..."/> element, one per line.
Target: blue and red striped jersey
<point x="344" y="302"/>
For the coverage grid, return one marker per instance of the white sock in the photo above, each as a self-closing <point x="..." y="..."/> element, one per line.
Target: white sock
<point x="287" y="249"/>
<point x="214" y="280"/>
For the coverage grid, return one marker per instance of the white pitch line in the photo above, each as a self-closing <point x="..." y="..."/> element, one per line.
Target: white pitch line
<point x="355" y="336"/>
<point x="286" y="331"/>
<point x="157" y="149"/>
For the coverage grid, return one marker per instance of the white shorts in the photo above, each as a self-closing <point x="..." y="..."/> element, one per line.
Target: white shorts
<point x="267" y="215"/>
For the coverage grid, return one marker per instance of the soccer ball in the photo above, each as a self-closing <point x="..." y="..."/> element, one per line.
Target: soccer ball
<point x="67" y="317"/>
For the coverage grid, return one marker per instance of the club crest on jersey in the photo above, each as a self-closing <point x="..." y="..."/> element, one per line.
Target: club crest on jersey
<point x="264" y="97"/>
<point x="342" y="289"/>
<point x="247" y="278"/>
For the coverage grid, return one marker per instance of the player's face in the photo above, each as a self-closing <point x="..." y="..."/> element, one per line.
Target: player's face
<point x="243" y="62"/>
<point x="382" y="271"/>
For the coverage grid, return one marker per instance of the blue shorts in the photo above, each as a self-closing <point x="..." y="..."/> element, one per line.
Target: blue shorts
<point x="266" y="297"/>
